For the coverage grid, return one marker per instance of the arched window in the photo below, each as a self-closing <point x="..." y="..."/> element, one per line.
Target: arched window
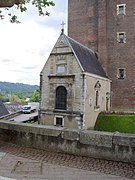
<point x="97" y="90"/>
<point x="97" y="95"/>
<point x="61" y="98"/>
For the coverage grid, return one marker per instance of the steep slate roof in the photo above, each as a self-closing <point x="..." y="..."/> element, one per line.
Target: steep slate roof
<point x="3" y="110"/>
<point x="87" y="58"/>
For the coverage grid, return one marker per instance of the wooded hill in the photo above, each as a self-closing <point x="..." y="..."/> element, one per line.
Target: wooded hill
<point x="8" y="87"/>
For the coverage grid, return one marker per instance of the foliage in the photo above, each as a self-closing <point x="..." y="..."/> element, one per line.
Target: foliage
<point x="4" y="98"/>
<point x="21" y="5"/>
<point x="14" y="98"/>
<point x="115" y="123"/>
<point x="35" y="96"/>
<point x="7" y="87"/>
<point x="16" y="92"/>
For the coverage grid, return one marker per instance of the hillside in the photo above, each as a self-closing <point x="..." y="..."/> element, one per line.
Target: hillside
<point x="8" y="87"/>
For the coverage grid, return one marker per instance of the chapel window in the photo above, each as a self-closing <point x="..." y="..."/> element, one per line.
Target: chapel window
<point x="97" y="90"/>
<point x="97" y="97"/>
<point x="121" y="9"/>
<point x="107" y="101"/>
<point x="59" y="121"/>
<point x="61" y="98"/>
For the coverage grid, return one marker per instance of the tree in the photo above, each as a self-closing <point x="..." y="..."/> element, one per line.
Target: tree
<point x="3" y="97"/>
<point x="21" y="5"/>
<point x="8" y="3"/>
<point x="14" y="98"/>
<point x="35" y="96"/>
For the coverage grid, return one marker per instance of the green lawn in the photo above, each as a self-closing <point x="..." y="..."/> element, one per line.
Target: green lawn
<point x="114" y="122"/>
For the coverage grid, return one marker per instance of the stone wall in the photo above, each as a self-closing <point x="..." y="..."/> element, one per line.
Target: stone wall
<point x="9" y="116"/>
<point x="104" y="145"/>
<point x="91" y="111"/>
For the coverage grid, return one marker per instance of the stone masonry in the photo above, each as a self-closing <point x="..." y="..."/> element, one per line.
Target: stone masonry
<point x="102" y="145"/>
<point x="19" y="163"/>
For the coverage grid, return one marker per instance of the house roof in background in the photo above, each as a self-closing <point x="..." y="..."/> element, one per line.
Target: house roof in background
<point x="3" y="110"/>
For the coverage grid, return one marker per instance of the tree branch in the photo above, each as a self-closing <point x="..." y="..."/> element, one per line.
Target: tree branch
<point x="9" y="3"/>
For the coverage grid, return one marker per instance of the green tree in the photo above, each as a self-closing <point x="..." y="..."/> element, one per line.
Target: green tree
<point x="35" y="96"/>
<point x="3" y="98"/>
<point x="14" y="98"/>
<point x="21" y="5"/>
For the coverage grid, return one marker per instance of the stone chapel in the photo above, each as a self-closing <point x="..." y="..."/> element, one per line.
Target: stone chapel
<point x="74" y="87"/>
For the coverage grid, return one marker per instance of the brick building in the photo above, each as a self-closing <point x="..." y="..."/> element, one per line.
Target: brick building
<point x="107" y="27"/>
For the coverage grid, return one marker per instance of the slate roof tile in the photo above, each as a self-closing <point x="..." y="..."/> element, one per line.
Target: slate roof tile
<point x="87" y="58"/>
<point x="3" y="110"/>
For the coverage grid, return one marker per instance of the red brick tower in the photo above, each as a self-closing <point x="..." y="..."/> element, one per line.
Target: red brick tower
<point x="108" y="27"/>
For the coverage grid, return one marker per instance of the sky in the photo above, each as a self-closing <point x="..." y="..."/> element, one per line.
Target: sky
<point x="25" y="47"/>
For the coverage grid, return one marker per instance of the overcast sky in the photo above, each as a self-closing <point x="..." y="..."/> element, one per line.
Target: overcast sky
<point x="25" y="47"/>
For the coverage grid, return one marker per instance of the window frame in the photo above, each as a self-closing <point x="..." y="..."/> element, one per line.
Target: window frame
<point x="119" y="74"/>
<point x="97" y="99"/>
<point x="119" y="39"/>
<point x="118" y="9"/>
<point x="97" y="95"/>
<point x="55" y="121"/>
<point x="61" y="98"/>
<point x="61" y="65"/>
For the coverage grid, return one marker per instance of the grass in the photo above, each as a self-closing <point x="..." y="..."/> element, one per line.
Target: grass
<point x="115" y="122"/>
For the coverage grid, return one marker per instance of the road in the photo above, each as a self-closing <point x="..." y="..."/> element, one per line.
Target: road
<point x="23" y="117"/>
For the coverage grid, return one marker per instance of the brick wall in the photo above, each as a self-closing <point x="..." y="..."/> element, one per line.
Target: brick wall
<point x="95" y="24"/>
<point x="82" y="22"/>
<point x="121" y="55"/>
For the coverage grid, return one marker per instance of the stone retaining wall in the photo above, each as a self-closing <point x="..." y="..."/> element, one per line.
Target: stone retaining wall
<point x="9" y="116"/>
<point x="104" y="145"/>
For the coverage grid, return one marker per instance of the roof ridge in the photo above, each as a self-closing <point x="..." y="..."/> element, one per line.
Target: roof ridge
<point x="80" y="44"/>
<point x="87" y="58"/>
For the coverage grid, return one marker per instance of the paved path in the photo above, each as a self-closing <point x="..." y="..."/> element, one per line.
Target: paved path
<point x="19" y="163"/>
<point x="23" y="117"/>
